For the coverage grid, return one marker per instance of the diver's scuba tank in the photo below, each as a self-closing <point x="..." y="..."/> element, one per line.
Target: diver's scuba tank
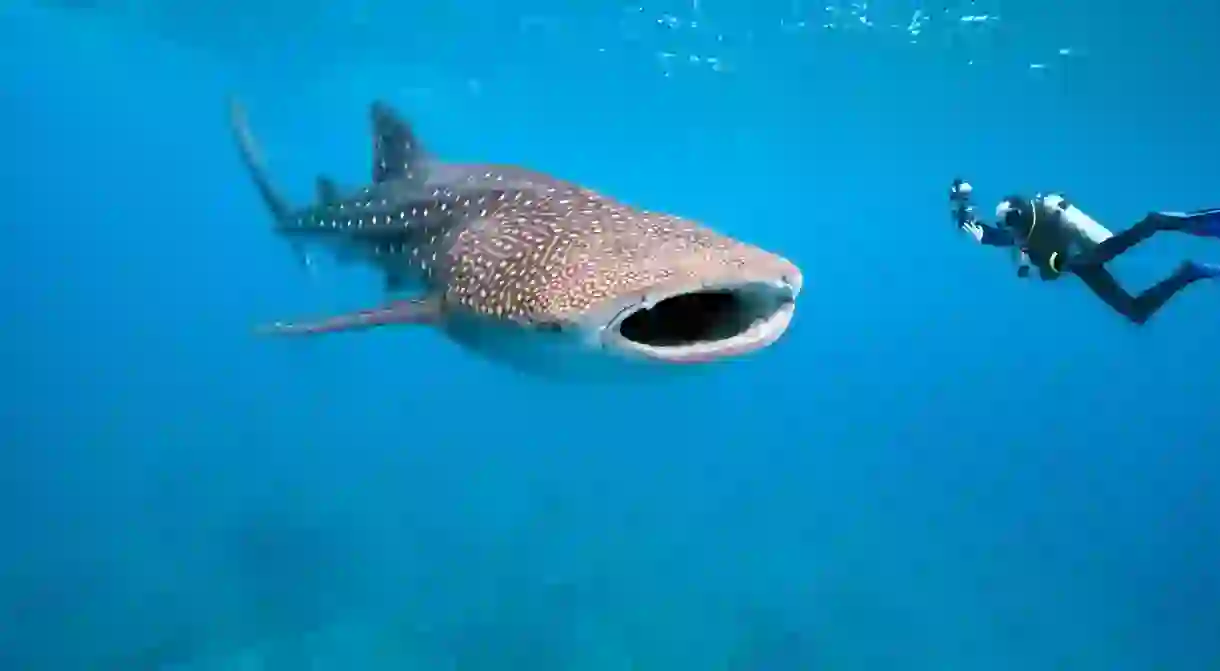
<point x="1071" y="217"/>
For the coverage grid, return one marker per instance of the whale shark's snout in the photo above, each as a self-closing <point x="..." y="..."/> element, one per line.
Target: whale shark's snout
<point x="680" y="293"/>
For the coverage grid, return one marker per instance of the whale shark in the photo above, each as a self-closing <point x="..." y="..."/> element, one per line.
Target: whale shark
<point x="527" y="269"/>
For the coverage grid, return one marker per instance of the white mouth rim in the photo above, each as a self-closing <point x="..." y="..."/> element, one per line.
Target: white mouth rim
<point x="762" y="333"/>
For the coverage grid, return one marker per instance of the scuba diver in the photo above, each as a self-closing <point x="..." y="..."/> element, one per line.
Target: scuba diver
<point x="1057" y="238"/>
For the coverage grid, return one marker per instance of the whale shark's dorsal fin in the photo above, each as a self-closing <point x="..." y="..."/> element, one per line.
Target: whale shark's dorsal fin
<point x="328" y="191"/>
<point x="397" y="154"/>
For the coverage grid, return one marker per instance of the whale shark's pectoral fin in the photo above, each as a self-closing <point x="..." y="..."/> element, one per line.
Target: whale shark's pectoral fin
<point x="397" y="154"/>
<point x="396" y="313"/>
<point x="327" y="190"/>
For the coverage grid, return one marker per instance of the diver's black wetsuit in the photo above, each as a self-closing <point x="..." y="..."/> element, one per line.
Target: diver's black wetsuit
<point x="1052" y="246"/>
<point x="1090" y="268"/>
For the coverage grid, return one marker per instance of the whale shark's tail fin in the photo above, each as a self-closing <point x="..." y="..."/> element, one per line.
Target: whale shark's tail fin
<point x="252" y="157"/>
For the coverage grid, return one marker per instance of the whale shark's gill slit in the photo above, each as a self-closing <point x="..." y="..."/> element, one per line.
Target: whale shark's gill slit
<point x="701" y="317"/>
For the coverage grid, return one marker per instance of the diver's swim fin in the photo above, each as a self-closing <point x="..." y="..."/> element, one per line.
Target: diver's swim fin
<point x="1204" y="223"/>
<point x="422" y="311"/>
<point x="1193" y="271"/>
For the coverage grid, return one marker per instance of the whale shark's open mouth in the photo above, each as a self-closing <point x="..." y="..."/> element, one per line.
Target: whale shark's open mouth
<point x="706" y="324"/>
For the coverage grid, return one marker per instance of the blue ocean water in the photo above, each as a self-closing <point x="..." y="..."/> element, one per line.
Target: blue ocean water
<point x="941" y="467"/>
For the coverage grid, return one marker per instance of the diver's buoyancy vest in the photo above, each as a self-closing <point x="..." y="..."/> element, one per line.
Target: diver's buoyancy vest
<point x="1046" y="240"/>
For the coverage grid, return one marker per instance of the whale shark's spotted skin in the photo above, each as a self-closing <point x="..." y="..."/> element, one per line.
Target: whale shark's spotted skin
<point x="510" y="245"/>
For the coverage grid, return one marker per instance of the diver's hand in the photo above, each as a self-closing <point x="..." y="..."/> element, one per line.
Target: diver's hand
<point x="974" y="229"/>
